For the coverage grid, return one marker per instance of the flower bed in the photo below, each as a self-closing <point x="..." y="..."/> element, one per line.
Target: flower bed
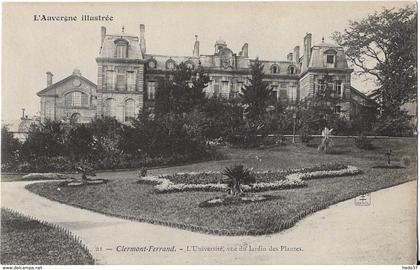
<point x="263" y="176"/>
<point x="229" y="200"/>
<point x="78" y="183"/>
<point x="272" y="180"/>
<point x="43" y="176"/>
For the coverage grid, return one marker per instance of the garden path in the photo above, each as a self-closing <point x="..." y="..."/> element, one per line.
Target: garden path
<point x="382" y="233"/>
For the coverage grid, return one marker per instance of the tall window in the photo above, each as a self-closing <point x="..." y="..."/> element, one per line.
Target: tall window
<point x="76" y="99"/>
<point x="129" y="110"/>
<point x="283" y="94"/>
<point x="330" y="59"/>
<point x="275" y="69"/>
<point x="225" y="87"/>
<point x="292" y="93"/>
<point x="275" y="89"/>
<point x="121" y="49"/>
<point x="109" y="80"/>
<point x="131" y="81"/>
<point x="151" y="90"/>
<point x="338" y="88"/>
<point x="109" y="108"/>
<point x="121" y="80"/>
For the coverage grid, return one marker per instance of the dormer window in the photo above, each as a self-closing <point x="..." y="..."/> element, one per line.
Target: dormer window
<point x="291" y="70"/>
<point x="170" y="64"/>
<point x="121" y="50"/>
<point x="151" y="64"/>
<point x="330" y="59"/>
<point x="275" y="69"/>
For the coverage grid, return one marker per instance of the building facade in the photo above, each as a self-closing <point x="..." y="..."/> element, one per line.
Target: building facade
<point x="128" y="76"/>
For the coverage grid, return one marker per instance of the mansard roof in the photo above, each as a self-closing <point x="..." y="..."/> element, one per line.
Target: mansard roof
<point x="108" y="48"/>
<point x="45" y="91"/>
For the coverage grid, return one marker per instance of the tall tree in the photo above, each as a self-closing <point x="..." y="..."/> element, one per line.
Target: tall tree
<point x="320" y="109"/>
<point x="181" y="92"/>
<point x="257" y="96"/>
<point x="384" y="45"/>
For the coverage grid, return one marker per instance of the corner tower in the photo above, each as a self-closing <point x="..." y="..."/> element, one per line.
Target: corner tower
<point x="120" y="75"/>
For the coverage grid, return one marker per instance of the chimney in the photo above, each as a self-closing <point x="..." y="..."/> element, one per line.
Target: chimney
<point x="244" y="50"/>
<point x="49" y="78"/>
<point x="77" y="72"/>
<point x="290" y="57"/>
<point x="307" y="48"/>
<point x="142" y="39"/>
<point x="196" y="51"/>
<point x="296" y="54"/>
<point x="103" y="33"/>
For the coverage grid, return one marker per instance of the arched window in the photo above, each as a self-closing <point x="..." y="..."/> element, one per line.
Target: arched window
<point x="121" y="48"/>
<point x="275" y="69"/>
<point x="109" y="108"/>
<point x="151" y="64"/>
<point x="330" y="56"/>
<point x="75" y="118"/>
<point x="76" y="99"/>
<point x="170" y="64"/>
<point x="292" y="69"/>
<point x="129" y="109"/>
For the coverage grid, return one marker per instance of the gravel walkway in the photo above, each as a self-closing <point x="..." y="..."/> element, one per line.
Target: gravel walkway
<point x="382" y="233"/>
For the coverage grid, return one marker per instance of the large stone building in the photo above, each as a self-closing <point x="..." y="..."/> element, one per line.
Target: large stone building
<point x="128" y="76"/>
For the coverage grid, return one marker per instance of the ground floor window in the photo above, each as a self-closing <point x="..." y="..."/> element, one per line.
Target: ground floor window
<point x="151" y="90"/>
<point x="129" y="110"/>
<point x="109" y="108"/>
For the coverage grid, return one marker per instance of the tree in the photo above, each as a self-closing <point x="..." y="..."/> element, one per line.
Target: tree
<point x="223" y="117"/>
<point x="257" y="96"/>
<point x="384" y="46"/>
<point x="46" y="139"/>
<point x="9" y="146"/>
<point x="182" y="92"/>
<point x="319" y="111"/>
<point x="79" y="142"/>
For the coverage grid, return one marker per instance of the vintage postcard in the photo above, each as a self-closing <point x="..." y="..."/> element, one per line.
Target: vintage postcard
<point x="209" y="133"/>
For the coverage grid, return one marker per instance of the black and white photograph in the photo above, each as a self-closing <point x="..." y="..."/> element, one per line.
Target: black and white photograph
<point x="209" y="133"/>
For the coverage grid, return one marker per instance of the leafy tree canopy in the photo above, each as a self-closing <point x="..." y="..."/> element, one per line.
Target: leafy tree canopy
<point x="182" y="91"/>
<point x="257" y="96"/>
<point x="384" y="45"/>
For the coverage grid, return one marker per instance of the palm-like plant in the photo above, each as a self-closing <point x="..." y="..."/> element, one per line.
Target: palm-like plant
<point x="238" y="175"/>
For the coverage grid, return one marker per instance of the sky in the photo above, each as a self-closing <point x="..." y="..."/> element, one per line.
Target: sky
<point x="272" y="29"/>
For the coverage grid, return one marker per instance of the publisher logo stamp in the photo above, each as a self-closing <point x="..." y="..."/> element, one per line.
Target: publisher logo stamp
<point x="363" y="200"/>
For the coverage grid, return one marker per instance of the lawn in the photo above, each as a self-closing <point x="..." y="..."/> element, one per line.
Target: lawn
<point x="124" y="197"/>
<point x="28" y="241"/>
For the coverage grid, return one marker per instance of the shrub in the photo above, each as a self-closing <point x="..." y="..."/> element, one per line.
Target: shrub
<point x="362" y="142"/>
<point x="47" y="164"/>
<point x="10" y="147"/>
<point x="238" y="175"/>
